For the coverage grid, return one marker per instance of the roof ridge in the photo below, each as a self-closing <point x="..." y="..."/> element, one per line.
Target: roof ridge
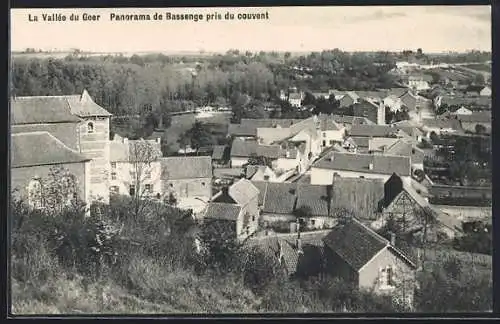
<point x="372" y="232"/>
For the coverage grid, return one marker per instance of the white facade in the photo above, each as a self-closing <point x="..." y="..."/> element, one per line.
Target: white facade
<point x="295" y="102"/>
<point x="238" y="162"/>
<point x="141" y="176"/>
<point x="418" y="84"/>
<point x="486" y="92"/>
<point x="330" y="137"/>
<point x="462" y="111"/>
<point x="393" y="103"/>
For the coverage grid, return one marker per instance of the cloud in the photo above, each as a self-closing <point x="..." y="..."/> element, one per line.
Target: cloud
<point x="377" y="15"/>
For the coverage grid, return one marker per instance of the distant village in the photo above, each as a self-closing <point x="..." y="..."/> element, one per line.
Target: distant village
<point x="312" y="193"/>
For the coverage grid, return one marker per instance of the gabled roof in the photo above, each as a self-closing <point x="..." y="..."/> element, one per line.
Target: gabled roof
<point x="241" y="148"/>
<point x="262" y="187"/>
<point x="361" y="196"/>
<point x="372" y="130"/>
<point x="356" y="244"/>
<point x="243" y="191"/>
<point x="280" y="198"/>
<point x="186" y="167"/>
<point x="55" y="109"/>
<point x="223" y="211"/>
<point x="315" y="197"/>
<point x="361" y="142"/>
<point x="353" y="120"/>
<point x="40" y="148"/>
<point x="40" y="110"/>
<point x="381" y="164"/>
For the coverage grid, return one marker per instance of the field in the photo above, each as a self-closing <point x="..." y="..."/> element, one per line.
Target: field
<point x="472" y="261"/>
<point x="479" y="67"/>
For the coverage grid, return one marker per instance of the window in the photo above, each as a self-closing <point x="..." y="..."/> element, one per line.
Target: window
<point x="147" y="174"/>
<point x="324" y="143"/>
<point x="148" y="187"/>
<point x="332" y="142"/>
<point x="266" y="177"/>
<point x="131" y="190"/>
<point x="113" y="175"/>
<point x="171" y="185"/>
<point x="253" y="218"/>
<point x="387" y="277"/>
<point x="324" y="134"/>
<point x="113" y="165"/>
<point x="158" y="196"/>
<point x="35" y="193"/>
<point x="313" y="222"/>
<point x="114" y="190"/>
<point x="203" y="184"/>
<point x="90" y="127"/>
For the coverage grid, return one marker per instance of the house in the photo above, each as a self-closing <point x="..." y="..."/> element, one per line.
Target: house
<point x="331" y="131"/>
<point x="356" y="144"/>
<point x="349" y="99"/>
<point x="293" y="159"/>
<point x="472" y="103"/>
<point x="461" y="111"/>
<point x="233" y="216"/>
<point x="314" y="207"/>
<point x="411" y="101"/>
<point x="336" y="93"/>
<point x="409" y="128"/>
<point x="485" y="92"/>
<point x="242" y="132"/>
<point x="220" y="155"/>
<point x="393" y="103"/>
<point x="374" y="111"/>
<point x="295" y="99"/>
<point x="135" y="167"/>
<point x="440" y="126"/>
<point x="299" y="254"/>
<point x="376" y="131"/>
<point x="405" y="205"/>
<point x="32" y="157"/>
<point x="278" y="203"/>
<point x="471" y="122"/>
<point x="242" y="150"/>
<point x="365" y="259"/>
<point x="399" y="147"/>
<point x="349" y="121"/>
<point x="244" y="194"/>
<point x="187" y="177"/>
<point x="78" y="122"/>
<point x="355" y="165"/>
<point x="418" y="81"/>
<point x="361" y="197"/>
<point x="261" y="173"/>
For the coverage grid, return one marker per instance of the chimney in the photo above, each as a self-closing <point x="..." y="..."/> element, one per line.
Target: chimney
<point x="393" y="239"/>
<point x="287" y="154"/>
<point x="125" y="140"/>
<point x="370" y="166"/>
<point x="158" y="140"/>
<point x="225" y="191"/>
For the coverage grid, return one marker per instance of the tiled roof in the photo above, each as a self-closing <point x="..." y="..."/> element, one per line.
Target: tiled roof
<point x="371" y="94"/>
<point x="372" y="130"/>
<point x="242" y="130"/>
<point x="361" y="142"/>
<point x="218" y="152"/>
<point x="53" y="109"/>
<point x="135" y="151"/>
<point x="269" y="123"/>
<point x="353" y="120"/>
<point x="280" y="198"/>
<point x="243" y="191"/>
<point x="466" y="101"/>
<point x="241" y="148"/>
<point x="222" y="211"/>
<point x="381" y="164"/>
<point x="314" y="197"/>
<point x="251" y="170"/>
<point x="442" y="123"/>
<point x="361" y="196"/>
<point x="186" y="167"/>
<point x="262" y="187"/>
<point x="475" y="117"/>
<point x="38" y="110"/>
<point x="327" y="123"/>
<point x="40" y="148"/>
<point x="355" y="243"/>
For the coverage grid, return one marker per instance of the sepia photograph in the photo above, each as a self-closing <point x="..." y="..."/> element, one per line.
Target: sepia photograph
<point x="250" y="160"/>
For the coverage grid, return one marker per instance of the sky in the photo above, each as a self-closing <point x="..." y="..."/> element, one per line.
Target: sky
<point x="295" y="29"/>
